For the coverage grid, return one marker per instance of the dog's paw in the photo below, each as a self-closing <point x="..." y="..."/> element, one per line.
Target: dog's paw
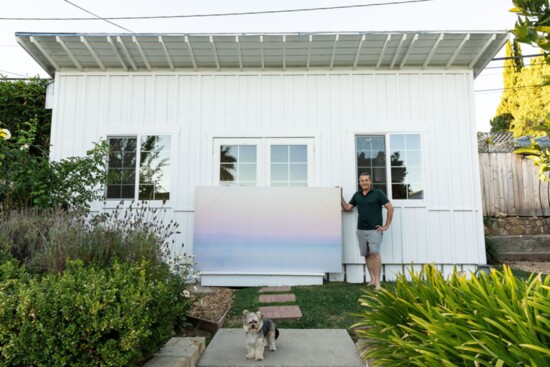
<point x="260" y="358"/>
<point x="273" y="348"/>
<point x="250" y="356"/>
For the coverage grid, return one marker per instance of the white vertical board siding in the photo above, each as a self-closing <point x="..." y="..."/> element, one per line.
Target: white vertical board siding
<point x="332" y="108"/>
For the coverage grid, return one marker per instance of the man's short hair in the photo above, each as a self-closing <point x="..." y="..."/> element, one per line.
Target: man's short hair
<point x="364" y="174"/>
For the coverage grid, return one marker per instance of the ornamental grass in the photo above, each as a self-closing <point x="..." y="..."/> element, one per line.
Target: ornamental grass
<point x="479" y="319"/>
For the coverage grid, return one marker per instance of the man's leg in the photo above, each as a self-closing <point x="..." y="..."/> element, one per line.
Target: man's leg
<point x="374" y="266"/>
<point x="371" y="281"/>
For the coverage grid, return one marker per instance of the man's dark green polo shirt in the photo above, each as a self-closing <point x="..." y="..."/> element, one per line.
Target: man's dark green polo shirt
<point x="369" y="207"/>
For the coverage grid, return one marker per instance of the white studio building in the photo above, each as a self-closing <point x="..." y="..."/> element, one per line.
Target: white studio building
<point x="288" y="110"/>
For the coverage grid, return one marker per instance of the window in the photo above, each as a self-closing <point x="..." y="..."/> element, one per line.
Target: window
<point x="288" y="165"/>
<point x="145" y="176"/>
<point x="267" y="162"/>
<point x="238" y="165"/>
<point x="394" y="162"/>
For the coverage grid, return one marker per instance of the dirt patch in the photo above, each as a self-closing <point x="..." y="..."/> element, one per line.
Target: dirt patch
<point x="530" y="266"/>
<point x="211" y="303"/>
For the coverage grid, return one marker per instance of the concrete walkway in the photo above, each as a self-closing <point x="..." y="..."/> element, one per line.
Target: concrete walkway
<point x="295" y="348"/>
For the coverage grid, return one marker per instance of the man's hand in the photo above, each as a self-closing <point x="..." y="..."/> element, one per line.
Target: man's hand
<point x="382" y="228"/>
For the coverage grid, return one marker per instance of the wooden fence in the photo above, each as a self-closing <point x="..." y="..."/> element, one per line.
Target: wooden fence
<point x="510" y="186"/>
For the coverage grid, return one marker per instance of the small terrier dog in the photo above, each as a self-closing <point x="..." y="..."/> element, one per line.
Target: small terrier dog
<point x="258" y="329"/>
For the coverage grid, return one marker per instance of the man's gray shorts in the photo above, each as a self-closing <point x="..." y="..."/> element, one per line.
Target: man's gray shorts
<point x="369" y="241"/>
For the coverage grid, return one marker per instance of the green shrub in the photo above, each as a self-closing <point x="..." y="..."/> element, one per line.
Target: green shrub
<point x="85" y="316"/>
<point x="492" y="251"/>
<point x="491" y="320"/>
<point x="29" y="179"/>
<point x="43" y="239"/>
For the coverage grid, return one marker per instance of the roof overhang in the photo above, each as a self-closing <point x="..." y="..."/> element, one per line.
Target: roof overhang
<point x="89" y="52"/>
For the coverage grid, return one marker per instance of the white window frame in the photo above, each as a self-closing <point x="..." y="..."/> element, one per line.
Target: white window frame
<point x="386" y="135"/>
<point x="113" y="202"/>
<point x="263" y="156"/>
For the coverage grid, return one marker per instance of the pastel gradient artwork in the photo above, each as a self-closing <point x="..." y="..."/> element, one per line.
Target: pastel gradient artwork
<point x="267" y="230"/>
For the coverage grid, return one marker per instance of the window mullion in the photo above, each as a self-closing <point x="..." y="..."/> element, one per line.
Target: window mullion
<point x="138" y="165"/>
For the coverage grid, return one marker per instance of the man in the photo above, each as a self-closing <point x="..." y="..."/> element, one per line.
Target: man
<point x="369" y="203"/>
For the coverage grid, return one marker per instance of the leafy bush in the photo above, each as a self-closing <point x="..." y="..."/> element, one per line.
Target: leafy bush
<point x="29" y="179"/>
<point x="85" y="316"/>
<point x="491" y="320"/>
<point x="104" y="290"/>
<point x="492" y="251"/>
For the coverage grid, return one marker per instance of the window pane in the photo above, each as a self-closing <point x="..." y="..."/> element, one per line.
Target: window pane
<point x="406" y="166"/>
<point x="371" y="158"/>
<point x="397" y="142"/>
<point x="416" y="191"/>
<point x="279" y="172"/>
<point x="279" y="153"/>
<point x="247" y="172"/>
<point x="412" y="141"/>
<point x="121" y="168"/>
<point x="398" y="174"/>
<point x="247" y="153"/>
<point x="228" y="153"/>
<point x="298" y="153"/>
<point x="238" y="165"/>
<point x="378" y="175"/>
<point x="414" y="158"/>
<point x="113" y="191"/>
<point x="399" y="191"/>
<point x="288" y="164"/>
<point x="115" y="159"/>
<point x="298" y="172"/>
<point x="155" y="167"/>
<point x="414" y="174"/>
<point x="228" y="172"/>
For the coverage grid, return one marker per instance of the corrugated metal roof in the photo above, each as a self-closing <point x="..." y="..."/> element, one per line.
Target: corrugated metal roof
<point x="367" y="50"/>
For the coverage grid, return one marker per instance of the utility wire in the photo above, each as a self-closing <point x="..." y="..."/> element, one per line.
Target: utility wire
<point x="11" y="72"/>
<point x="512" y="88"/>
<point x="510" y="57"/>
<point x="97" y="16"/>
<point x="226" y="14"/>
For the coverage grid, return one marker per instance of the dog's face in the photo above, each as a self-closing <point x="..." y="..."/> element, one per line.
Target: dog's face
<point x="252" y="321"/>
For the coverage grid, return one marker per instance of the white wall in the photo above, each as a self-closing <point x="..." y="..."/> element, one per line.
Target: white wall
<point x="445" y="228"/>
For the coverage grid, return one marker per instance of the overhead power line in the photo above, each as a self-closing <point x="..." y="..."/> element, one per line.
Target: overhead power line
<point x="513" y="88"/>
<point x="97" y="16"/>
<point x="515" y="57"/>
<point x="385" y="3"/>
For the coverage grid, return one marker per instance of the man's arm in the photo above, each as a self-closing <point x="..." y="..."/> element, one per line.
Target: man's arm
<point x="389" y="217"/>
<point x="345" y="206"/>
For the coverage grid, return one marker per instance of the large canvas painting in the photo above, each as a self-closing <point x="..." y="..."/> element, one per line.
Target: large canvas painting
<point x="267" y="230"/>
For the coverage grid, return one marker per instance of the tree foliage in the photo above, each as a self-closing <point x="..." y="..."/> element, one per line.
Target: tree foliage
<point x="501" y="123"/>
<point x="24" y="101"/>
<point x="512" y="68"/>
<point x="533" y="24"/>
<point x="533" y="28"/>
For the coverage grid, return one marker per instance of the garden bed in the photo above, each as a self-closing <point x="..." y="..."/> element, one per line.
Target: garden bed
<point x="210" y="309"/>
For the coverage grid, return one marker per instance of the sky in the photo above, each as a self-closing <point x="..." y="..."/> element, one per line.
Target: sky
<point x="383" y="15"/>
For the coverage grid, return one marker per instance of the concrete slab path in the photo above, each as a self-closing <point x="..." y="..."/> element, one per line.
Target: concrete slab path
<point x="295" y="348"/>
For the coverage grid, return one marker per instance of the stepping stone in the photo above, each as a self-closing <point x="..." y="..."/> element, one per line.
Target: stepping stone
<point x="281" y="312"/>
<point x="277" y="298"/>
<point x="274" y="289"/>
